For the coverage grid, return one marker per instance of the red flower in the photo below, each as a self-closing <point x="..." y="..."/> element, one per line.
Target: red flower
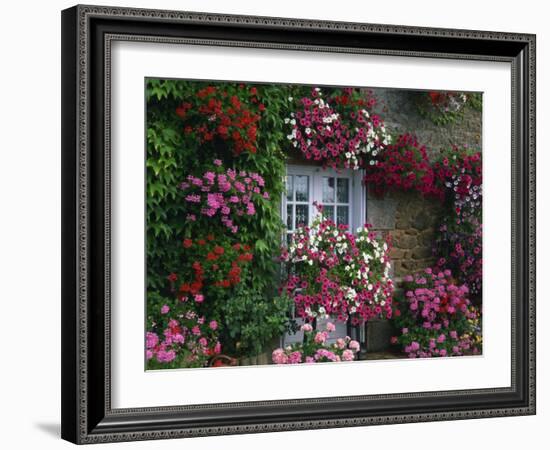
<point x="172" y="277"/>
<point x="187" y="243"/>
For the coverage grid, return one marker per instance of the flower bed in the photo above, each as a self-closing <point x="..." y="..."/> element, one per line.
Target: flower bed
<point x="316" y="349"/>
<point x="181" y="338"/>
<point x="435" y="317"/>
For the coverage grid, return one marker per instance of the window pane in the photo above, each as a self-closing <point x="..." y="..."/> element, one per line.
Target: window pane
<point x="343" y="190"/>
<point x="328" y="212"/>
<point x="289" y="187"/>
<point x="289" y="220"/>
<point x="301" y="186"/>
<point x="302" y="214"/>
<point x="328" y="190"/>
<point x="288" y="239"/>
<point x="342" y="215"/>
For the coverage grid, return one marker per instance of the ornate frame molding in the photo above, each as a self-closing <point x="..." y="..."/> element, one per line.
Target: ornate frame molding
<point x="85" y="421"/>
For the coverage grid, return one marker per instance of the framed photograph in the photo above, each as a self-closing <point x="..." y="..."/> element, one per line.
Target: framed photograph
<point x="281" y="224"/>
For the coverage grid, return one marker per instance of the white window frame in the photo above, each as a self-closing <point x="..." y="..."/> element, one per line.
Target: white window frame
<point x="358" y="192"/>
<point x="357" y="214"/>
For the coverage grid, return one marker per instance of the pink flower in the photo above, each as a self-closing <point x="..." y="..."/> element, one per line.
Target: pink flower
<point x="279" y="357"/>
<point x="217" y="162"/>
<point x="354" y="345"/>
<point x="330" y="327"/>
<point x="347" y="355"/>
<point x="165" y="309"/>
<point x="199" y="298"/>
<point x="307" y="327"/>
<point x="151" y="340"/>
<point x="320" y="337"/>
<point x="295" y="357"/>
<point x="340" y="343"/>
<point x="166" y="356"/>
<point x="213" y="325"/>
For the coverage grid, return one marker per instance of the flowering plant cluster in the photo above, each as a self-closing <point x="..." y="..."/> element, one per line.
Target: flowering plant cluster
<point x="231" y="195"/>
<point x="403" y="165"/>
<point x="459" y="238"/>
<point x="208" y="266"/>
<point x="461" y="246"/>
<point x="332" y="272"/>
<point x="180" y="337"/>
<point x="316" y="348"/>
<point x="340" y="129"/>
<point x="230" y="114"/>
<point x="459" y="171"/>
<point x="443" y="107"/>
<point x="435" y="317"/>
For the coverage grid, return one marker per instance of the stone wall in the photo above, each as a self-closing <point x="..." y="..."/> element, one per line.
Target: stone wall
<point x="407" y="217"/>
<point x="400" y="112"/>
<point x="411" y="222"/>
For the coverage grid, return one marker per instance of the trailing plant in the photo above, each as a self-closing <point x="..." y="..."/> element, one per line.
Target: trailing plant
<point x="338" y="127"/>
<point x="332" y="272"/>
<point x="458" y="243"/>
<point x="403" y="165"/>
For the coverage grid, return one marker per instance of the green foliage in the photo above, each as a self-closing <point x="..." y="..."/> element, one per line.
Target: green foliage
<point x="252" y="321"/>
<point x="475" y="101"/>
<point x="172" y="155"/>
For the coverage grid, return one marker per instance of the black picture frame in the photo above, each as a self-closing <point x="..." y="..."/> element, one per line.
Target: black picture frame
<point x="87" y="32"/>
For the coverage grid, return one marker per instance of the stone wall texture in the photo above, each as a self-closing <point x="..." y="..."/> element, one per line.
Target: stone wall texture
<point x="407" y="217"/>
